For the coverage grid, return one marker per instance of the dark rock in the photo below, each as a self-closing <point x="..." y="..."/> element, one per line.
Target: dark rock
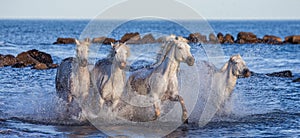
<point x="108" y="41"/>
<point x="7" y="60"/>
<point x="103" y="40"/>
<point x="52" y="66"/>
<point x="220" y="37"/>
<point x="33" y="57"/>
<point x="98" y="39"/>
<point x="196" y="38"/>
<point x="296" y="80"/>
<point x="148" y="39"/>
<point x="271" y="39"/>
<point x="259" y="40"/>
<point x="246" y="38"/>
<point x="25" y="59"/>
<point x="212" y="38"/>
<point x="65" y="41"/>
<point x="131" y="38"/>
<point x="41" y="57"/>
<point x="294" y="39"/>
<point x="40" y="66"/>
<point x="1" y="60"/>
<point x="229" y="39"/>
<point x="19" y="65"/>
<point x="283" y="74"/>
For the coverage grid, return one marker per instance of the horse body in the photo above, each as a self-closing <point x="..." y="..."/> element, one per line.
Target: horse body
<point x="73" y="78"/>
<point x="217" y="88"/>
<point x="160" y="82"/>
<point x="109" y="76"/>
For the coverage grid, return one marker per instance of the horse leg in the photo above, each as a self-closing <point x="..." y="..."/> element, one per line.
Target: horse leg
<point x="115" y="103"/>
<point x="101" y="101"/>
<point x="184" y="110"/>
<point x="157" y="110"/>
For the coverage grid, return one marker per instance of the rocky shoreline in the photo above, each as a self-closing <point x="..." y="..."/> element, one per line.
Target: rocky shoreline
<point x="41" y="61"/>
<point x="241" y="38"/>
<point x="32" y="58"/>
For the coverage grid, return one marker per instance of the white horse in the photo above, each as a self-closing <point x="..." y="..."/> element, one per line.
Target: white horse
<point x="108" y="75"/>
<point x="160" y="82"/>
<point x="72" y="76"/>
<point x="217" y="87"/>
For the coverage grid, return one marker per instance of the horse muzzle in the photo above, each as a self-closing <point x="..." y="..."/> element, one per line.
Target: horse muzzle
<point x="190" y="61"/>
<point x="122" y="65"/>
<point x="246" y="73"/>
<point x="83" y="62"/>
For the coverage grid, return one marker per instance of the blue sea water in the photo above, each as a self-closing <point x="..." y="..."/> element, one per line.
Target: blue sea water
<point x="265" y="106"/>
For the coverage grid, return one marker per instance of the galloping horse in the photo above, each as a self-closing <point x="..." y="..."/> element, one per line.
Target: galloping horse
<point x="72" y="77"/>
<point x="160" y="82"/>
<point x="217" y="88"/>
<point x="226" y="78"/>
<point x="108" y="76"/>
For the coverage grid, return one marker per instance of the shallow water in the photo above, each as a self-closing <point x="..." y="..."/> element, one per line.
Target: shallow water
<point x="262" y="105"/>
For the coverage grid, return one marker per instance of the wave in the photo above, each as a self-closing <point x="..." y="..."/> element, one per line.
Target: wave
<point x="3" y="43"/>
<point x="274" y="117"/>
<point x="45" y="121"/>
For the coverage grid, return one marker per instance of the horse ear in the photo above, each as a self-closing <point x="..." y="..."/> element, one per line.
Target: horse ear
<point x="77" y="42"/>
<point x="232" y="58"/>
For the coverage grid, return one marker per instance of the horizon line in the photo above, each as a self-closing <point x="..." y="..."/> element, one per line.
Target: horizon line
<point x="94" y="18"/>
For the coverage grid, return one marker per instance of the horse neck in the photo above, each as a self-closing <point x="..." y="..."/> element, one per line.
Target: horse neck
<point x="169" y="65"/>
<point x="116" y="72"/>
<point x="229" y="77"/>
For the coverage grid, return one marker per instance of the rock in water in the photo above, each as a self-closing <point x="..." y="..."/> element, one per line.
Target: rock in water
<point x="34" y="57"/>
<point x="103" y="40"/>
<point x="196" y="38"/>
<point x="40" y="66"/>
<point x="7" y="60"/>
<point x="220" y="37"/>
<point x="212" y="38"/>
<point x="294" y="39"/>
<point x="148" y="39"/>
<point x="246" y="38"/>
<point x="229" y="39"/>
<point x="271" y="39"/>
<point x="283" y="74"/>
<point x="296" y="80"/>
<point x="65" y="41"/>
<point x="131" y="38"/>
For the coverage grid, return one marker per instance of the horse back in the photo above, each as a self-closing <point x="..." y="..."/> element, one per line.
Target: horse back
<point x="139" y="81"/>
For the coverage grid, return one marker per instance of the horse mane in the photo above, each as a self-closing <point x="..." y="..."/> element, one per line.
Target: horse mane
<point x="162" y="54"/>
<point x="224" y="68"/>
<point x="111" y="54"/>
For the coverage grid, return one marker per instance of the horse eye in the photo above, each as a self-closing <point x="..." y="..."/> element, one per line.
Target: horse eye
<point x="115" y="52"/>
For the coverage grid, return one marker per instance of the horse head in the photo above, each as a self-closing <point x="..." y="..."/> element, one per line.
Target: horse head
<point x="182" y="51"/>
<point x="239" y="67"/>
<point x="82" y="50"/>
<point x="120" y="53"/>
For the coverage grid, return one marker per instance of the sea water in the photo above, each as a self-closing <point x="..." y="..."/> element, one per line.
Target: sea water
<point x="261" y="105"/>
